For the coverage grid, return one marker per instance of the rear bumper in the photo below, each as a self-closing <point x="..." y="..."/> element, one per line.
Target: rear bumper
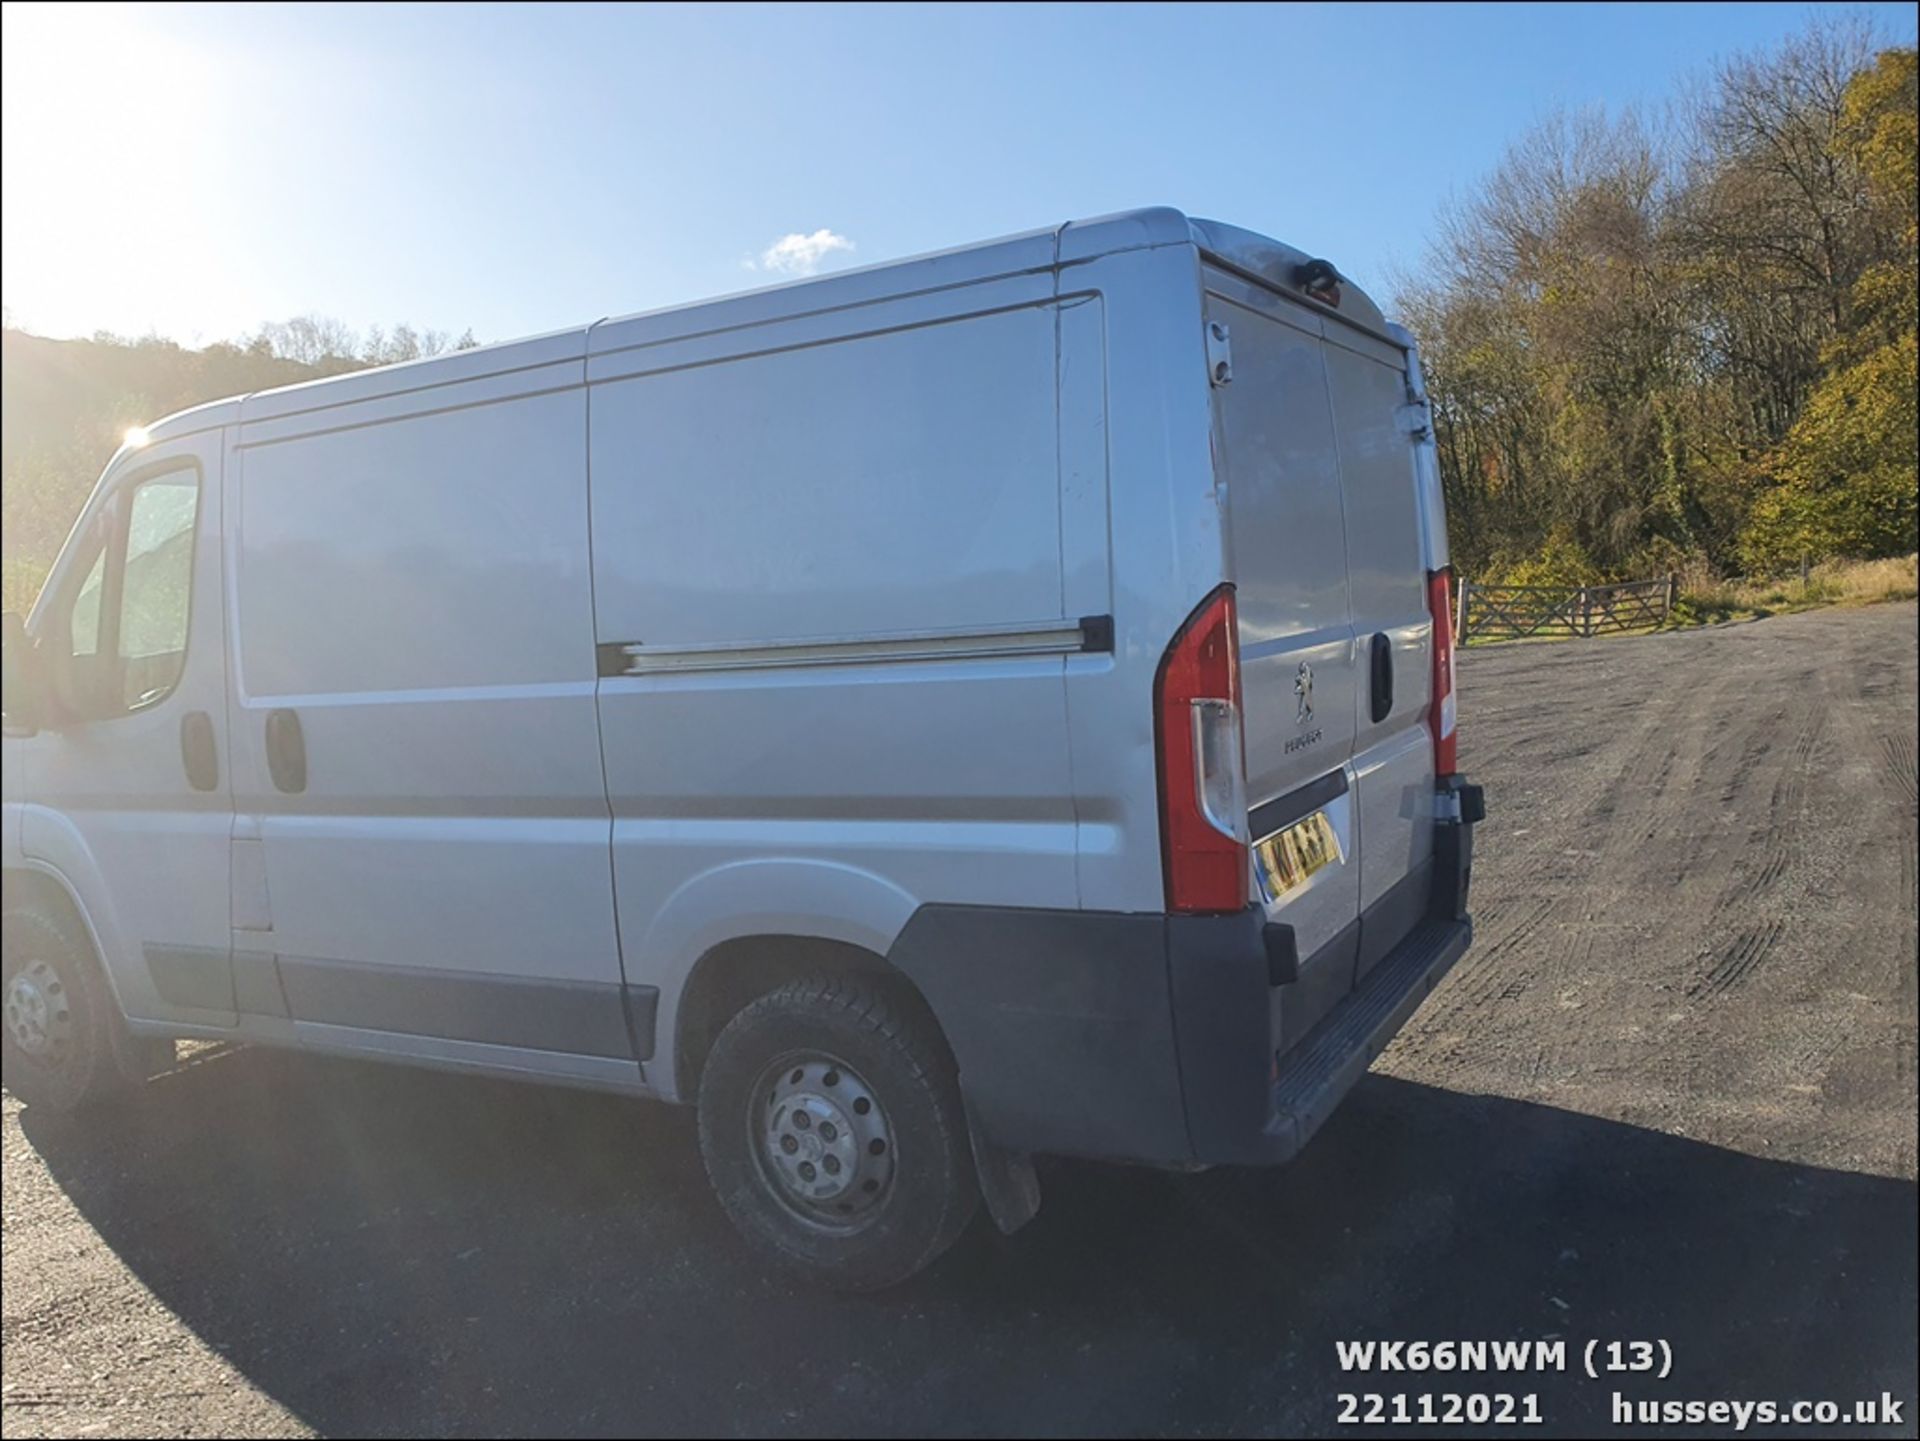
<point x="1152" y="1038"/>
<point x="1318" y="1072"/>
<point x="1246" y="1102"/>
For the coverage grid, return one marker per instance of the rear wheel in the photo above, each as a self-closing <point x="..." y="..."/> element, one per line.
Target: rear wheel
<point x="65" y="1045"/>
<point x="832" y="1128"/>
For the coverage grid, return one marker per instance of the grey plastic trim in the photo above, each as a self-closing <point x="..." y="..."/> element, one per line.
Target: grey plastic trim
<point x="193" y="977"/>
<point x="582" y="1018"/>
<point x="1393" y="917"/>
<point x="1282" y="811"/>
<point x="600" y="1073"/>
<point x="256" y="984"/>
<point x="628" y="658"/>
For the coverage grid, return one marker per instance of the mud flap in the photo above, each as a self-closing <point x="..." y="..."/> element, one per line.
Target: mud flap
<point x="1008" y="1183"/>
<point x="1453" y="849"/>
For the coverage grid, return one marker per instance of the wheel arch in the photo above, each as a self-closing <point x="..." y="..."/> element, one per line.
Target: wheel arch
<point x="33" y="884"/>
<point x="733" y="974"/>
<point x="790" y="911"/>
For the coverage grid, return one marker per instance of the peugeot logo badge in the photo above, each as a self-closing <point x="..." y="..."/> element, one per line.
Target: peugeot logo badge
<point x="1303" y="694"/>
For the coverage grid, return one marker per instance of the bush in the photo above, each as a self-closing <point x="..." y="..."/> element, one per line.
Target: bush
<point x="1561" y="561"/>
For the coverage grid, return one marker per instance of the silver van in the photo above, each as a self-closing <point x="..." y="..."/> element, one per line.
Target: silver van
<point x="992" y="704"/>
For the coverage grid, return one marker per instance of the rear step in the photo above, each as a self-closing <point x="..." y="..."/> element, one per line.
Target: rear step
<point x="1335" y="1054"/>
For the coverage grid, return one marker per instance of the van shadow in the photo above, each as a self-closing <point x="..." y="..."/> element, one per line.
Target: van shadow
<point x="388" y="1252"/>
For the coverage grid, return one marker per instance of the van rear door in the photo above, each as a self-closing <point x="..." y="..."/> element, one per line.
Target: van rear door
<point x="1393" y="631"/>
<point x="1276" y="451"/>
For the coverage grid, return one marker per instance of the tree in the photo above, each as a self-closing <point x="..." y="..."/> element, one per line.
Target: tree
<point x="1686" y="336"/>
<point x="1554" y="351"/>
<point x="406" y="343"/>
<point x="332" y="346"/>
<point x="1843" y="480"/>
<point x="308" y="339"/>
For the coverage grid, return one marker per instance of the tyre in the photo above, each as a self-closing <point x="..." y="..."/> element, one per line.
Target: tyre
<point x="832" y="1129"/>
<point x="63" y="1042"/>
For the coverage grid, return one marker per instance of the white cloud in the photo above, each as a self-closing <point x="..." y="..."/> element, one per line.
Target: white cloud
<point x="799" y="254"/>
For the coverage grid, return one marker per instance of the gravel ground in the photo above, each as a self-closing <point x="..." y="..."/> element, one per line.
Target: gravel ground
<point x="1670" y="1094"/>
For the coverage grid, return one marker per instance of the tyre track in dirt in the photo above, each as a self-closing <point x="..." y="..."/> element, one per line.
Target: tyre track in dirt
<point x="1713" y="906"/>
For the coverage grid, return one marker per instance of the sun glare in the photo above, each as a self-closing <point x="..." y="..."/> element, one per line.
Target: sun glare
<point x="135" y="437"/>
<point x="106" y="135"/>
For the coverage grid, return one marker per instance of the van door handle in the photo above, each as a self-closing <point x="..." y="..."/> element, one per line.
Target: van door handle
<point x="197" y="753"/>
<point x="1382" y="659"/>
<point x="286" y="751"/>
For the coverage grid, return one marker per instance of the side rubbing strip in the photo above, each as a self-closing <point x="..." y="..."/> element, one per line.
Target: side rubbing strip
<point x="1283" y="811"/>
<point x="583" y="1018"/>
<point x="1093" y="633"/>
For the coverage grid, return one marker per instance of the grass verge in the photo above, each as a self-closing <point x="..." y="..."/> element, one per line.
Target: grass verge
<point x="1840" y="582"/>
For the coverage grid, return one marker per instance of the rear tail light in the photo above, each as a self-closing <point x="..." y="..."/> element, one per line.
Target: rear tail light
<point x="1202" y="762"/>
<point x="1441" y="717"/>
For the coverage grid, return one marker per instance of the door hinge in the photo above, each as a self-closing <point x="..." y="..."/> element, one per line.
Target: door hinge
<point x="1219" y="353"/>
<point x="1415" y="420"/>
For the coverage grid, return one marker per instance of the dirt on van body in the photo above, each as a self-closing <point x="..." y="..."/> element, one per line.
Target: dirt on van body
<point x="1668" y="1096"/>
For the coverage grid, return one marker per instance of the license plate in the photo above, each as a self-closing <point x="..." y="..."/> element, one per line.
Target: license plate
<point x="1289" y="858"/>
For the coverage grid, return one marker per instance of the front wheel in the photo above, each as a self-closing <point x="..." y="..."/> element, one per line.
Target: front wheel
<point x="64" y="1043"/>
<point x="832" y="1129"/>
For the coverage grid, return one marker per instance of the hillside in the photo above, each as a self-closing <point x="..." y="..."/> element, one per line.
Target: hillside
<point x="67" y="403"/>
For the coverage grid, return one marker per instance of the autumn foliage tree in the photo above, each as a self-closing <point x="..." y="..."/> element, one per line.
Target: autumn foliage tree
<point x="1842" y="480"/>
<point x="1686" y="337"/>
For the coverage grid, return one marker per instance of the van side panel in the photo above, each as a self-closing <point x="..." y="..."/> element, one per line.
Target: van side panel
<point x="818" y="502"/>
<point x="416" y="593"/>
<point x="1136" y="405"/>
<point x="894" y="482"/>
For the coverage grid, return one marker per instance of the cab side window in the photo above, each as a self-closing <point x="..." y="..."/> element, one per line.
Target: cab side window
<point x="84" y="627"/>
<point x="156" y="588"/>
<point x="126" y="627"/>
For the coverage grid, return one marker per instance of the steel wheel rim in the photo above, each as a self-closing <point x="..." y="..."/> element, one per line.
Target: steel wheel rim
<point x="38" y="1013"/>
<point x="821" y="1139"/>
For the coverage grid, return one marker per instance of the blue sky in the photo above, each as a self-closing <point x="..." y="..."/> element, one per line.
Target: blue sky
<point x="194" y="171"/>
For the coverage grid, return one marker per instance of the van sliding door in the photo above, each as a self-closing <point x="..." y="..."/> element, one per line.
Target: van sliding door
<point x="422" y="836"/>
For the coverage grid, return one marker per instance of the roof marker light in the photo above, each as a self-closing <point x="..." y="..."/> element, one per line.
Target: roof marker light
<point x="1319" y="280"/>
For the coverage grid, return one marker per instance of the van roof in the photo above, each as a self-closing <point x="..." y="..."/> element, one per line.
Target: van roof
<point x="1268" y="261"/>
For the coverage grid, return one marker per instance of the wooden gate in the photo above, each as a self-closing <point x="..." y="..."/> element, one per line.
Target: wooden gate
<point x="1515" y="612"/>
